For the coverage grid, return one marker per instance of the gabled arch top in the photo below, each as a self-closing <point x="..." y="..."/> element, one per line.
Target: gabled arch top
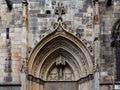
<point x="54" y="37"/>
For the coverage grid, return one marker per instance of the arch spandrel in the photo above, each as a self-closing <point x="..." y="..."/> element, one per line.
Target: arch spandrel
<point x="53" y="36"/>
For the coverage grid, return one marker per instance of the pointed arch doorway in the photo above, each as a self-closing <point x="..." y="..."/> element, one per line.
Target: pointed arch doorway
<point x="60" y="61"/>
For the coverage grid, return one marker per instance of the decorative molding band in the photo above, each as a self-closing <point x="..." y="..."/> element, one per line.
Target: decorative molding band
<point x="40" y="81"/>
<point x="85" y="79"/>
<point x="35" y="79"/>
<point x="109" y="83"/>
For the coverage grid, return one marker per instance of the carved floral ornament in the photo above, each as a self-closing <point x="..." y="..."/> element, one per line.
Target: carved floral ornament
<point x="61" y="27"/>
<point x="60" y="10"/>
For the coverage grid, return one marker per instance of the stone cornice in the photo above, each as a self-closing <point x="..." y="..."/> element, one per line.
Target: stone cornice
<point x="35" y="79"/>
<point x="86" y="79"/>
<point x="81" y="80"/>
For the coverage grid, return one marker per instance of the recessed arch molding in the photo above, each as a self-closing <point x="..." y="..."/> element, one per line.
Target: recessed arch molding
<point x="63" y="43"/>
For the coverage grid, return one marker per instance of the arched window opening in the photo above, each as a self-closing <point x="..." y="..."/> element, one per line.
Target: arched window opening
<point x="116" y="44"/>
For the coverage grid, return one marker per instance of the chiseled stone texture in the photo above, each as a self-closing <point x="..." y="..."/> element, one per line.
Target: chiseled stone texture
<point x="60" y="85"/>
<point x="79" y="18"/>
<point x="106" y="87"/>
<point x="108" y="18"/>
<point x="16" y="56"/>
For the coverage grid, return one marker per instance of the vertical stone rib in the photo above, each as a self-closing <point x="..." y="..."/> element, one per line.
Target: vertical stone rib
<point x="96" y="43"/>
<point x="25" y="31"/>
<point x="8" y="60"/>
<point x="25" y="43"/>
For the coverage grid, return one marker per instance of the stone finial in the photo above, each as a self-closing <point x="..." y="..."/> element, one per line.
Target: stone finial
<point x="97" y="68"/>
<point x="60" y="10"/>
<point x="49" y="31"/>
<point x="71" y="30"/>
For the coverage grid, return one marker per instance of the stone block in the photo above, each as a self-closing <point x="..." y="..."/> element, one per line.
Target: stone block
<point x="16" y="75"/>
<point x="106" y="87"/>
<point x="3" y="54"/>
<point x="1" y="74"/>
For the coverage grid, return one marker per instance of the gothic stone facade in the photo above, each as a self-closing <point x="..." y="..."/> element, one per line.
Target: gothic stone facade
<point x="49" y="52"/>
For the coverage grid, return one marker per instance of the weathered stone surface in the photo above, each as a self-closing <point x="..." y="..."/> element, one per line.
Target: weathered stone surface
<point x="80" y="16"/>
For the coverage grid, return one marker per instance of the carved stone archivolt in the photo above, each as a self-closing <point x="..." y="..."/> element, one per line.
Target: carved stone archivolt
<point x="43" y="56"/>
<point x="52" y="59"/>
<point x="60" y="55"/>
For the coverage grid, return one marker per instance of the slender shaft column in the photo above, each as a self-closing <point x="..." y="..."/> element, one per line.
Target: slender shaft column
<point x="37" y="85"/>
<point x="25" y="44"/>
<point x="96" y="43"/>
<point x="25" y="31"/>
<point x="96" y="79"/>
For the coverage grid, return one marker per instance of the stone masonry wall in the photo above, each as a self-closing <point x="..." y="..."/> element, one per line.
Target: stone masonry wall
<point x="11" y="20"/>
<point x="109" y="16"/>
<point x="41" y="18"/>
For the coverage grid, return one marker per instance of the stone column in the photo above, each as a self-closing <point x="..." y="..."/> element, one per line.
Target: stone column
<point x="25" y="31"/>
<point x="96" y="19"/>
<point x="82" y="85"/>
<point x="29" y="85"/>
<point x="25" y="44"/>
<point x="34" y="86"/>
<point x="96" y="79"/>
<point x="41" y="87"/>
<point x="91" y="83"/>
<point x="37" y="84"/>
